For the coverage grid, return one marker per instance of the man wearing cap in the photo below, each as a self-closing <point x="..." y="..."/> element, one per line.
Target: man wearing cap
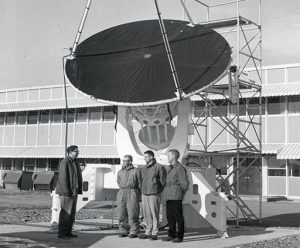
<point x="129" y="180"/>
<point x="69" y="185"/>
<point x="153" y="183"/>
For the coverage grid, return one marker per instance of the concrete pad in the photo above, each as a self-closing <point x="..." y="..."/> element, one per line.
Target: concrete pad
<point x="38" y="235"/>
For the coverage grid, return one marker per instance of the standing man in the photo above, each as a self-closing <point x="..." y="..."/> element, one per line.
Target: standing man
<point x="69" y="185"/>
<point x="154" y="180"/>
<point x="176" y="186"/>
<point x="128" y="198"/>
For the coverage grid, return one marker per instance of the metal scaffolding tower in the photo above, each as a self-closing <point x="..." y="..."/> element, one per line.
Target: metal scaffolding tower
<point x="223" y="103"/>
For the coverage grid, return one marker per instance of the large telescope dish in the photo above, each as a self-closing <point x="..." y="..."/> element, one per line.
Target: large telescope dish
<point x="128" y="65"/>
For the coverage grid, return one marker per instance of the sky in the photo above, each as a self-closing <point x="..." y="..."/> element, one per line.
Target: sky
<point x="35" y="34"/>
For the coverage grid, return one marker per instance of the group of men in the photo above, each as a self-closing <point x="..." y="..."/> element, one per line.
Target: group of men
<point x="146" y="186"/>
<point x="151" y="184"/>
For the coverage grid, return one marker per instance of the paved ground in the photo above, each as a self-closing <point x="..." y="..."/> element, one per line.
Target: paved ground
<point x="280" y="219"/>
<point x="38" y="235"/>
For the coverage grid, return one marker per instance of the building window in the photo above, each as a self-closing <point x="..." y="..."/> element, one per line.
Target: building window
<point x="253" y="108"/>
<point x="95" y="114"/>
<point x="108" y="114"/>
<point x="81" y="115"/>
<point x="3" y="97"/>
<point x="29" y="164"/>
<point x="57" y="93"/>
<point x="56" y="115"/>
<point x="277" y="172"/>
<point x="70" y="92"/>
<point x="21" y="118"/>
<point x="294" y="104"/>
<point x="219" y="108"/>
<point x="41" y="164"/>
<point x="276" y="167"/>
<point x="242" y="108"/>
<point x="294" y="168"/>
<point x="71" y="115"/>
<point x="18" y="164"/>
<point x="102" y="161"/>
<point x="32" y="117"/>
<point x="33" y="95"/>
<point x="44" y="116"/>
<point x="54" y="164"/>
<point x="275" y="105"/>
<point x="199" y="109"/>
<point x="7" y="163"/>
<point x="273" y="162"/>
<point x="2" y="118"/>
<point x="10" y="118"/>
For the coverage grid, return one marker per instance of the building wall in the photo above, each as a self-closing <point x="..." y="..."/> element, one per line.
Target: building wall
<point x="279" y="123"/>
<point x="86" y="126"/>
<point x="95" y="126"/>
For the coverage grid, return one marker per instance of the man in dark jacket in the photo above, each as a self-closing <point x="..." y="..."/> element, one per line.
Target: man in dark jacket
<point x="69" y="185"/>
<point x="153" y="183"/>
<point x="176" y="186"/>
<point x="129" y="180"/>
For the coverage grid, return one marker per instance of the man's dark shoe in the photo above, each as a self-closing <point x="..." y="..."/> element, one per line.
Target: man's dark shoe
<point x="177" y="240"/>
<point x="143" y="236"/>
<point x="169" y="238"/>
<point x="122" y="235"/>
<point x="153" y="237"/>
<point x="132" y="236"/>
<point x="71" y="235"/>
<point x="63" y="236"/>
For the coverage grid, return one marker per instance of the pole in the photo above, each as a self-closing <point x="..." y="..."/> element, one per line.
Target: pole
<point x="207" y="111"/>
<point x="260" y="111"/>
<point x="66" y="106"/>
<point x="72" y="55"/>
<point x="186" y="12"/>
<point x="83" y="19"/>
<point x="237" y="76"/>
<point x="168" y="50"/>
<point x="112" y="214"/>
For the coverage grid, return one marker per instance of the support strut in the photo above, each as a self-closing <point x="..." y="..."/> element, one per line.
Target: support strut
<point x="169" y="52"/>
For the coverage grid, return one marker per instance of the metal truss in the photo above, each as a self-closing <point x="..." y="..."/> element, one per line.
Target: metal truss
<point x="224" y="102"/>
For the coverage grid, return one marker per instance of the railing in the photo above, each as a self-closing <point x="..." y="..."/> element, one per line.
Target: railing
<point x="36" y="94"/>
<point x="13" y="95"/>
<point x="283" y="69"/>
<point x="209" y="7"/>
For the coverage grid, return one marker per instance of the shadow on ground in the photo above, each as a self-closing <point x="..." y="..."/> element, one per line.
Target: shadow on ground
<point x="44" y="239"/>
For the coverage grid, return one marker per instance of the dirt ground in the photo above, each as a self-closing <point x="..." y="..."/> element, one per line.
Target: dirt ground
<point x="34" y="206"/>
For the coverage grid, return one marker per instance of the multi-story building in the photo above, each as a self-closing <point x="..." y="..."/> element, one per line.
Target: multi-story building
<point x="32" y="131"/>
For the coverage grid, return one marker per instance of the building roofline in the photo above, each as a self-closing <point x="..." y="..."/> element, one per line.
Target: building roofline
<point x="270" y="67"/>
<point x="35" y="87"/>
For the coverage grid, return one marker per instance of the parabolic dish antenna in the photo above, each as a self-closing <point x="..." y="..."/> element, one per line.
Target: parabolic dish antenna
<point x="128" y="65"/>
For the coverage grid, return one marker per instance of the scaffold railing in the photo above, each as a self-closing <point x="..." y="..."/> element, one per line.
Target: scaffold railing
<point x="236" y="93"/>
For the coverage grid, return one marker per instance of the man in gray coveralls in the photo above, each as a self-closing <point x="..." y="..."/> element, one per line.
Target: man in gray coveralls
<point x="128" y="198"/>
